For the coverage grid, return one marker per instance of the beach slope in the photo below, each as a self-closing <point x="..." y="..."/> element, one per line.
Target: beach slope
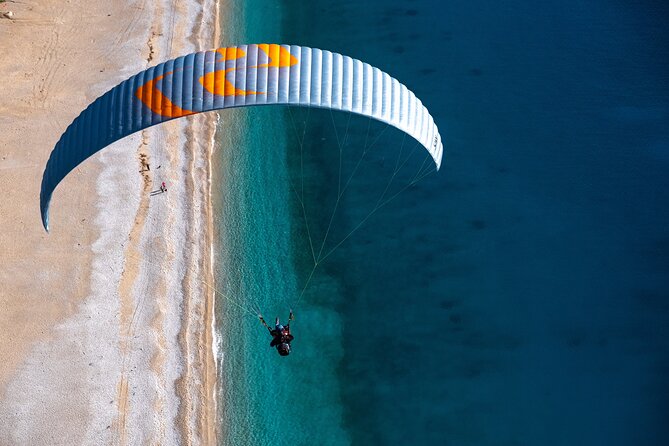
<point x="105" y="323"/>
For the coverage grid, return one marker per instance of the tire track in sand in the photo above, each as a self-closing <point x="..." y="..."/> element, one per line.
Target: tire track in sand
<point x="129" y="312"/>
<point x="48" y="64"/>
<point x="128" y="31"/>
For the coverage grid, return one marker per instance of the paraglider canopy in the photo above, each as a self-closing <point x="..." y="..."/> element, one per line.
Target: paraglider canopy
<point x="257" y="74"/>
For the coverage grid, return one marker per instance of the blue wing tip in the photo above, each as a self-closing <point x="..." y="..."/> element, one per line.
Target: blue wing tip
<point x="44" y="210"/>
<point x="45" y="221"/>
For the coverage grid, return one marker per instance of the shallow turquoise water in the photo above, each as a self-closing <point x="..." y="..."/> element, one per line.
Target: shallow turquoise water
<point x="517" y="297"/>
<point x="266" y="397"/>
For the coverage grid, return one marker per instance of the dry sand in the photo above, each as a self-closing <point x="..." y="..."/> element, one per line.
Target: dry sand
<point x="105" y="323"/>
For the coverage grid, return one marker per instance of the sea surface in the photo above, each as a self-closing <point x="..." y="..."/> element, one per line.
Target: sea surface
<point x="516" y="297"/>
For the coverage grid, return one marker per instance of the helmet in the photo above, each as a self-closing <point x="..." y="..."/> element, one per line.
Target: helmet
<point x="284" y="349"/>
<point x="279" y="327"/>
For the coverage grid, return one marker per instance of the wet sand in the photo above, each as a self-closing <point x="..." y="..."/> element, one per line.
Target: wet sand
<point x="106" y="321"/>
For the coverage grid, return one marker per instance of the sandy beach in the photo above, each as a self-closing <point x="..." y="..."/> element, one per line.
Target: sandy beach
<point x="105" y="322"/>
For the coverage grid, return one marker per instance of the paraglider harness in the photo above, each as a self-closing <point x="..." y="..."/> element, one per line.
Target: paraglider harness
<point x="281" y="336"/>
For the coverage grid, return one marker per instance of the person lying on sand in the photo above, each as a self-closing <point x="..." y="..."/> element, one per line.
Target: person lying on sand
<point x="281" y="337"/>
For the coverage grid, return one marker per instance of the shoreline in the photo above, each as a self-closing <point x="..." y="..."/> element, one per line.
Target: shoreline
<point x="121" y="346"/>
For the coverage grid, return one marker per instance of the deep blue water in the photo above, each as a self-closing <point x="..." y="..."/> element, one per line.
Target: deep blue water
<point x="518" y="296"/>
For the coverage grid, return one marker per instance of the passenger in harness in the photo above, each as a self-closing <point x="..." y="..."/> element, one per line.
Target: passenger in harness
<point x="281" y="336"/>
